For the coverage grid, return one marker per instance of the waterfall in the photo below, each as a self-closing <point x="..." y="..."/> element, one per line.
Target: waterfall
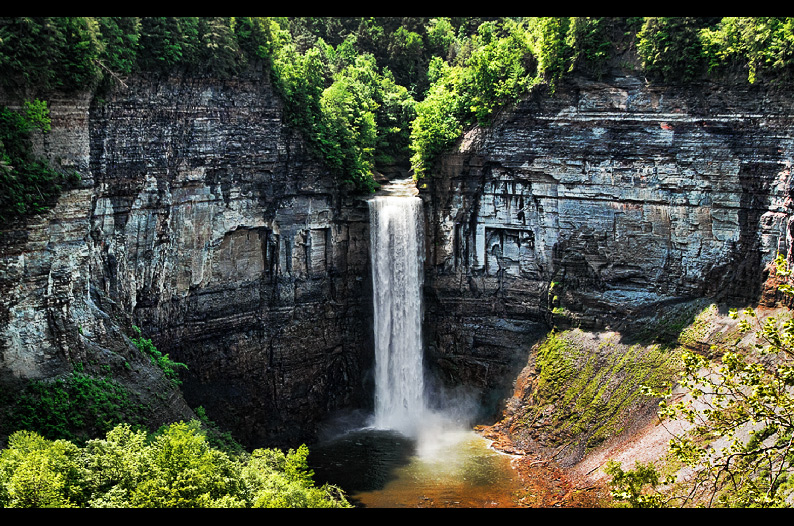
<point x="396" y="237"/>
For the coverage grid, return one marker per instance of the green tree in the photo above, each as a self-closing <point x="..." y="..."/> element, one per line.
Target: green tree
<point x="180" y="470"/>
<point x="174" y="468"/>
<point x="670" y="47"/>
<point x="500" y="68"/>
<point x="160" y="43"/>
<point x="441" y="37"/>
<point x="350" y="131"/>
<point x="77" y="66"/>
<point x="38" y="473"/>
<point x="439" y="117"/>
<point x="30" y="47"/>
<point x="590" y="44"/>
<point x="551" y="47"/>
<point x="255" y="37"/>
<point x="761" y="44"/>
<point x="220" y="54"/>
<point x="28" y="185"/>
<point x="114" y="465"/>
<point x="406" y="58"/>
<point x="741" y="413"/>
<point x="120" y="36"/>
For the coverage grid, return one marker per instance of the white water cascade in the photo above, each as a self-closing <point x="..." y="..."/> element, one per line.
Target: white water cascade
<point x="397" y="255"/>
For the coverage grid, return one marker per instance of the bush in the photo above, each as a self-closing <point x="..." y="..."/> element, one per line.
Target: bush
<point x="76" y="407"/>
<point x="740" y="446"/>
<point x="27" y="185"/>
<point x="177" y="468"/>
<point x="163" y="361"/>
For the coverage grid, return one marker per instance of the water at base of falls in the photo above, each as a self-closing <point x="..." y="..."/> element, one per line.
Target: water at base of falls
<point x="386" y="469"/>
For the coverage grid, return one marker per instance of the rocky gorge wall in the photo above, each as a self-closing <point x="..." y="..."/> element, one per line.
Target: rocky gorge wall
<point x="598" y="205"/>
<point x="202" y="219"/>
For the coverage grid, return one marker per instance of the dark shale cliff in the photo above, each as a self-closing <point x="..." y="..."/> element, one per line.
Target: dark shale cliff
<point x="202" y="218"/>
<point x="597" y="206"/>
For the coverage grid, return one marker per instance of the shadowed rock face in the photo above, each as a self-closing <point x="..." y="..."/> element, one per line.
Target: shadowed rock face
<point x="236" y="249"/>
<point x="598" y="203"/>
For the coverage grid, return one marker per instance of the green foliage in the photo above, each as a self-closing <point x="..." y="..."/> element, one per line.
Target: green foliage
<point x="425" y="79"/>
<point x="30" y="48"/>
<point x="36" y="116"/>
<point x="75" y="407"/>
<point x="670" y="47"/>
<point x="77" y="67"/>
<point x="162" y="43"/>
<point x="27" y="185"/>
<point x="352" y="113"/>
<point x="38" y="473"/>
<point x="177" y="468"/>
<point x="763" y="44"/>
<point x="740" y="409"/>
<point x="500" y="68"/>
<point x="120" y="36"/>
<point x="163" y="361"/>
<point x="550" y="46"/>
<point x="255" y="37"/>
<point x="496" y="70"/>
<point x="589" y="41"/>
<point x="630" y="486"/>
<point x="438" y="117"/>
<point x="216" y="437"/>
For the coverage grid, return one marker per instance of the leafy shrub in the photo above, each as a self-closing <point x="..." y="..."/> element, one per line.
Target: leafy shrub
<point x="177" y="468"/>
<point x="163" y="361"/>
<point x="27" y="185"/>
<point x="76" y="407"/>
<point x="670" y="47"/>
<point x="761" y="44"/>
<point x="739" y="407"/>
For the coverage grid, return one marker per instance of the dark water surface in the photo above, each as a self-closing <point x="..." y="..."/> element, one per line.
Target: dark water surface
<point x="445" y="469"/>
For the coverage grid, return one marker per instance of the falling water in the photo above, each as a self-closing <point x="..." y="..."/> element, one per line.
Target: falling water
<point x="396" y="236"/>
<point x="408" y="455"/>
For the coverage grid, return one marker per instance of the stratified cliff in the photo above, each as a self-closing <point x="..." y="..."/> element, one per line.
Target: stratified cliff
<point x="202" y="219"/>
<point x="599" y="204"/>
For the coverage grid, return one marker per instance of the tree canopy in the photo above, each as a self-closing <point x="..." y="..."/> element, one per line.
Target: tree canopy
<point x="368" y="91"/>
<point x="174" y="468"/>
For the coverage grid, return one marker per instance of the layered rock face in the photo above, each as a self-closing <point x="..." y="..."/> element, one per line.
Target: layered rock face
<point x="601" y="202"/>
<point x="203" y="220"/>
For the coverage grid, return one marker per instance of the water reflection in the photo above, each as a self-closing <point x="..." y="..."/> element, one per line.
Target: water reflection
<point x="453" y="468"/>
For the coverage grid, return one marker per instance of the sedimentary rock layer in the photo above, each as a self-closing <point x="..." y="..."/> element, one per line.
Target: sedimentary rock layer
<point x="601" y="201"/>
<point x="202" y="219"/>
